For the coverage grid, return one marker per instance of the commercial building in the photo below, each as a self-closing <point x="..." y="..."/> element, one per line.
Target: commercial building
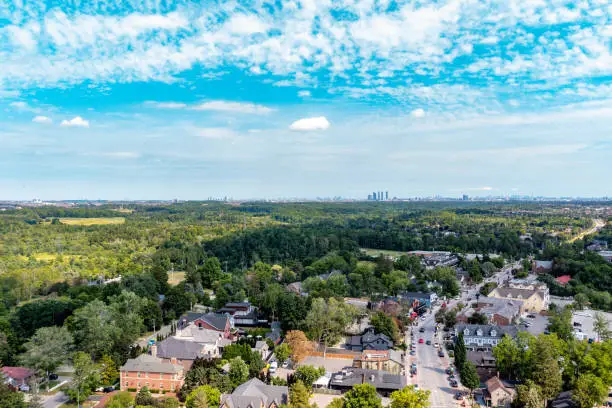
<point x="483" y="336"/>
<point x="384" y="382"/>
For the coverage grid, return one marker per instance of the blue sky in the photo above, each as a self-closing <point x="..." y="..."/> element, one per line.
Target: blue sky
<point x="256" y="99"/>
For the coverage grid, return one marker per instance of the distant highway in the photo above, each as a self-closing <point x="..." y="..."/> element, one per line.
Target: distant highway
<point x="599" y="224"/>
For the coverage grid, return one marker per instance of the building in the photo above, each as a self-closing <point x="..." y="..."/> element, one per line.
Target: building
<point x="607" y="255"/>
<point x="386" y="195"/>
<point x="389" y="307"/>
<point x="483" y="336"/>
<point x="261" y="348"/>
<point x="385" y="382"/>
<point x="484" y="361"/>
<point x="384" y="360"/>
<point x="256" y="394"/>
<point x="184" y="351"/>
<point x="501" y="312"/>
<point x="542" y="266"/>
<point x="370" y="341"/>
<point x="563" y="280"/>
<point x="597" y="245"/>
<point x="275" y="334"/>
<point x="17" y="376"/>
<point x="426" y="299"/>
<point x="498" y="394"/>
<point x="221" y="323"/>
<point x="151" y="372"/>
<point x="465" y="197"/>
<point x="243" y="313"/>
<point x="533" y="300"/>
<point x="564" y="400"/>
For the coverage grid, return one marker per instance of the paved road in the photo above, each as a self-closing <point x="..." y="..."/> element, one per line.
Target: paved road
<point x="55" y="400"/>
<point x="598" y="225"/>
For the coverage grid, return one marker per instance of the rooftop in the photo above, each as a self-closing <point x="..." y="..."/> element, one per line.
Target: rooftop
<point x="255" y="393"/>
<point x="150" y="364"/>
<point x="380" y="379"/>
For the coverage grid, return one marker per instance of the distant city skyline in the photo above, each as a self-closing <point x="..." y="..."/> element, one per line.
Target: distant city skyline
<point x="138" y="100"/>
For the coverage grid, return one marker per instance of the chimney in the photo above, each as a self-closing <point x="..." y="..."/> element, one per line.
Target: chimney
<point x="363" y="378"/>
<point x="153" y="350"/>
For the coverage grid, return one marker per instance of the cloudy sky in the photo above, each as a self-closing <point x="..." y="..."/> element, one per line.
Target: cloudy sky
<point x="287" y="98"/>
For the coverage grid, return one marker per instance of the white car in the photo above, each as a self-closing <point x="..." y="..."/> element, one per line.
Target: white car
<point x="436" y="345"/>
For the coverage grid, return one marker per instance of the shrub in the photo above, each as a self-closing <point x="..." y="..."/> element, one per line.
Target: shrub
<point x="131" y="389"/>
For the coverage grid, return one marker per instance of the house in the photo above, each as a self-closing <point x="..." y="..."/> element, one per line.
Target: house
<point x="484" y="361"/>
<point x="563" y="280"/>
<point x="275" y="334"/>
<point x="597" y="245"/>
<point x="483" y="336"/>
<point x="221" y="323"/>
<point x="385" y="382"/>
<point x="359" y="303"/>
<point x="370" y="341"/>
<point x="501" y="312"/>
<point x="16" y="376"/>
<point x="421" y="298"/>
<point x="151" y="372"/>
<point x="178" y="350"/>
<point x="389" y="307"/>
<point x="256" y="394"/>
<point x="383" y="360"/>
<point x="497" y="394"/>
<point x="243" y="313"/>
<point x="296" y="287"/>
<point x="541" y="266"/>
<point x="261" y="347"/>
<point x="534" y="300"/>
<point x="607" y="255"/>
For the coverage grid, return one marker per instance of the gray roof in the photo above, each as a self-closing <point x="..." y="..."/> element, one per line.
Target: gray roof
<point x="254" y="393"/>
<point x="543" y="264"/>
<point x="173" y="347"/>
<point x="261" y="344"/>
<point x="371" y="337"/>
<point x="149" y="364"/>
<point x="216" y="320"/>
<point x="504" y="307"/>
<point x="380" y="379"/>
<point x="487" y="330"/>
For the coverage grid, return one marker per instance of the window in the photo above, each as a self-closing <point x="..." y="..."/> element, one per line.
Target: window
<point x="161" y="376"/>
<point x="139" y="374"/>
<point x="161" y="386"/>
<point x="127" y="383"/>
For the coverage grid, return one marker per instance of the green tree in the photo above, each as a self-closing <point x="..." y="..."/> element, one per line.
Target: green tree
<point x="144" y="397"/>
<point x="210" y="271"/>
<point x="48" y="349"/>
<point x="169" y="402"/>
<point x="308" y="374"/>
<point x="529" y="395"/>
<point x="547" y="375"/>
<point x="386" y="325"/>
<point x="410" y="397"/>
<point x="600" y="326"/>
<point x="299" y="395"/>
<point x="94" y="328"/>
<point x="460" y="352"/>
<point x="580" y="301"/>
<point x="108" y="370"/>
<point x="10" y="398"/>
<point x="362" y="396"/>
<point x="561" y="323"/>
<point x="36" y="400"/>
<point x="202" y="397"/>
<point x="84" y="378"/>
<point x="238" y="372"/>
<point x="282" y="352"/>
<point x="327" y="320"/>
<point x="589" y="391"/>
<point x="469" y="376"/>
<point x="507" y="356"/>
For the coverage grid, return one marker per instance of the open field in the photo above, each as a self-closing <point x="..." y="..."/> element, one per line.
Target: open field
<point x="376" y="252"/>
<point x="92" y="221"/>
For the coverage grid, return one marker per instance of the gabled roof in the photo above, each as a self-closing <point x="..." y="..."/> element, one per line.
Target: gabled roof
<point x="487" y="330"/>
<point x="254" y="393"/>
<point x="149" y="364"/>
<point x="18" y="373"/>
<point x="564" y="279"/>
<point x="371" y="337"/>
<point x="174" y="347"/>
<point x="494" y="383"/>
<point x="216" y="320"/>
<point x="543" y="264"/>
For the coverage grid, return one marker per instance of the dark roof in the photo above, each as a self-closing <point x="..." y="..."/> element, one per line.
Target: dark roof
<point x="487" y="330"/>
<point x="379" y="379"/>
<point x="216" y="320"/>
<point x="149" y="364"/>
<point x="371" y="337"/>
<point x="254" y="393"/>
<point x="180" y="349"/>
<point x="189" y="317"/>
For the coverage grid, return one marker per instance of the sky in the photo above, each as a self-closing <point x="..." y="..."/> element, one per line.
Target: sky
<point x="137" y="99"/>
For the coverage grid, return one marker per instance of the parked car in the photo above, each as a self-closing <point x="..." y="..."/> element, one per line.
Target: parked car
<point x="577" y="324"/>
<point x="53" y="377"/>
<point x="109" y="389"/>
<point x="440" y="353"/>
<point x="458" y="396"/>
<point x="285" y="364"/>
<point x="454" y="384"/>
<point x="420" y="341"/>
<point x="273" y="367"/>
<point x="428" y="342"/>
<point x="412" y="352"/>
<point x="531" y="316"/>
<point x="24" y="387"/>
<point x="422" y="330"/>
<point x="436" y="345"/>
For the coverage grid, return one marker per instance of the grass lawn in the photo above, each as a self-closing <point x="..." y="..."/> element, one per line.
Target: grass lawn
<point x="92" y="221"/>
<point x="174" y="278"/>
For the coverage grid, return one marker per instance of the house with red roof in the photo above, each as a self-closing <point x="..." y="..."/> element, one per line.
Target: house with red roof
<point x="563" y="280"/>
<point x="16" y="376"/>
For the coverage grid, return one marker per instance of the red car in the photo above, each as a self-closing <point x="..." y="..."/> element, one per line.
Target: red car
<point x="420" y="341"/>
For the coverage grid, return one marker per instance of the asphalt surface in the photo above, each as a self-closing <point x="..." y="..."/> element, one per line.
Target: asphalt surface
<point x="55" y="400"/>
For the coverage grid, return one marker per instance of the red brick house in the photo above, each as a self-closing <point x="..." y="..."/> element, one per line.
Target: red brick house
<point x="151" y="372"/>
<point x="221" y="323"/>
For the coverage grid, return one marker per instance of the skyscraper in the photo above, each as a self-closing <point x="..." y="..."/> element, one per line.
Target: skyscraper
<point x="386" y="195"/>
<point x="374" y="196"/>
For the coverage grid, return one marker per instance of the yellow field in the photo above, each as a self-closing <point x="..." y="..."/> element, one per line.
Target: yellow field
<point x="92" y="221"/>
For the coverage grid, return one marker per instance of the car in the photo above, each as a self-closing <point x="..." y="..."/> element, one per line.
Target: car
<point x="440" y="353"/>
<point x="577" y="324"/>
<point x="423" y="317"/>
<point x="428" y="342"/>
<point x="422" y="330"/>
<point x="454" y="384"/>
<point x="421" y="341"/>
<point x="53" y="377"/>
<point x="531" y="316"/>
<point x="436" y="345"/>
<point x="450" y="370"/>
<point x="451" y="377"/>
<point x="285" y="364"/>
<point x="458" y="396"/>
<point x="109" y="389"/>
<point x="273" y="367"/>
<point x="412" y="353"/>
<point x="24" y="387"/>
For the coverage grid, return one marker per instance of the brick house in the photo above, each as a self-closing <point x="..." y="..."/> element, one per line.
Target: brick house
<point x="151" y="372"/>
<point x="383" y="360"/>
<point x="221" y="323"/>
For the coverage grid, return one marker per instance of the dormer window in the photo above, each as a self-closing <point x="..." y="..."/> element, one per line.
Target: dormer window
<point x="493" y="333"/>
<point x="466" y="332"/>
<point x="479" y="332"/>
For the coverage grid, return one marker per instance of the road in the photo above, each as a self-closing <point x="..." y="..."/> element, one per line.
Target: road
<point x="599" y="224"/>
<point x="55" y="400"/>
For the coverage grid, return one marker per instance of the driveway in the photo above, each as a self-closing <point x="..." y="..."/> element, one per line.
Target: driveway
<point x="55" y="400"/>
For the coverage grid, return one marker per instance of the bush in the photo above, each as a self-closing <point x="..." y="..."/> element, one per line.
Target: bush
<point x="154" y="391"/>
<point x="131" y="389"/>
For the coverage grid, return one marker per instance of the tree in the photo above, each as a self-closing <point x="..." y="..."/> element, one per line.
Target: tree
<point x="169" y="402"/>
<point x="108" y="370"/>
<point x="386" y="325"/>
<point x="548" y="376"/>
<point x="122" y="399"/>
<point x="478" y="318"/>
<point x="144" y="397"/>
<point x="238" y="372"/>
<point x="580" y="301"/>
<point x="460" y="352"/>
<point x="282" y="352"/>
<point x="94" y="328"/>
<point x="529" y="395"/>
<point x="507" y="356"/>
<point x="48" y="349"/>
<point x="10" y="398"/>
<point x="84" y="378"/>
<point x="299" y="395"/>
<point x="410" y="397"/>
<point x="469" y="376"/>
<point x="210" y="272"/>
<point x="327" y="320"/>
<point x="600" y="326"/>
<point x="203" y="397"/>
<point x="589" y="391"/>
<point x="308" y="374"/>
<point x="362" y="396"/>
<point x="298" y="343"/>
<point x="561" y="324"/>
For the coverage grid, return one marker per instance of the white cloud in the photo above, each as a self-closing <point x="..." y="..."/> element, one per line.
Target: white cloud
<point x="304" y="94"/>
<point x="168" y="105"/>
<point x="237" y="107"/>
<point x="20" y="105"/>
<point x="246" y="24"/>
<point x="306" y="124"/>
<point x="216" y="133"/>
<point x="42" y="119"/>
<point x="75" y="122"/>
<point x="417" y="113"/>
<point x="122" y="155"/>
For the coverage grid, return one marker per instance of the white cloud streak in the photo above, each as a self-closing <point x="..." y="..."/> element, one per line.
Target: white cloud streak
<point x="310" y="124"/>
<point x="75" y="122"/>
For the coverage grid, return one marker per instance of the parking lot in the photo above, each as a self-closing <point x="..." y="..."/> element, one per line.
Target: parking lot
<point x="537" y="325"/>
<point x="586" y="318"/>
<point x="331" y="365"/>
